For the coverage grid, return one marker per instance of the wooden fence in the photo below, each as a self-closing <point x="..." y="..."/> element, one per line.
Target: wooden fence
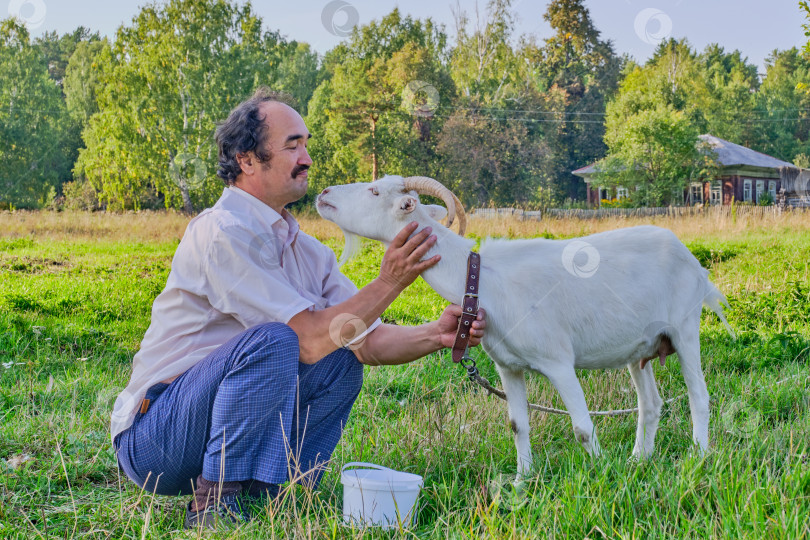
<point x="597" y="213"/>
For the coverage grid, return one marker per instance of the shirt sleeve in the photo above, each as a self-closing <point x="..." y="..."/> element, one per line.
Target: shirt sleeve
<point x="249" y="283"/>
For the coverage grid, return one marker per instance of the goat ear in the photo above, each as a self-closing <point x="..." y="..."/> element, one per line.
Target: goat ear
<point x="407" y="204"/>
<point x="436" y="211"/>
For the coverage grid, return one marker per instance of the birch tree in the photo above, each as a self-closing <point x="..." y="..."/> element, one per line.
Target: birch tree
<point x="165" y="83"/>
<point x="32" y="116"/>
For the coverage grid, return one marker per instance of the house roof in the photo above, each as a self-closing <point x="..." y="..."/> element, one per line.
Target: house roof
<point x="728" y="155"/>
<point x="587" y="170"/>
<point x="734" y="155"/>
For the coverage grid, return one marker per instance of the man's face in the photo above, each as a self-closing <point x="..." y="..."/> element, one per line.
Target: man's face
<point x="282" y="179"/>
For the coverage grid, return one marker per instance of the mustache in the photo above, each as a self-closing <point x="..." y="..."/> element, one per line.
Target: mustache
<point x="299" y="169"/>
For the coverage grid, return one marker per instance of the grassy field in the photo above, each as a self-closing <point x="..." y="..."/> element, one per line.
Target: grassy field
<point x="75" y="298"/>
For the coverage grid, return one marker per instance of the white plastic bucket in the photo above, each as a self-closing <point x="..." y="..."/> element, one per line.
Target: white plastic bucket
<point x="378" y="496"/>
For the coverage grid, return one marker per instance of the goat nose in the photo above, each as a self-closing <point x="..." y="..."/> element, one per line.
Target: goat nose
<point x="325" y="191"/>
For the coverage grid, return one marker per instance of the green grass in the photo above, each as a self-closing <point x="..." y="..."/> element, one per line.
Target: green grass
<point x="73" y="312"/>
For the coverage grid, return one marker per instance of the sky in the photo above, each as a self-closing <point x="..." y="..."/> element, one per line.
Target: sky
<point x="755" y="27"/>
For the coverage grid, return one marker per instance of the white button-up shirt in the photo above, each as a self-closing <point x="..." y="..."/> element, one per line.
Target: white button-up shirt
<point x="239" y="264"/>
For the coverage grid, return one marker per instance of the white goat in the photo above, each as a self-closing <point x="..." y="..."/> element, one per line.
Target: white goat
<point x="609" y="300"/>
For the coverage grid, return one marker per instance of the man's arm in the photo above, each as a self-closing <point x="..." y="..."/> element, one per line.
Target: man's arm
<point x="321" y="332"/>
<point x="390" y="344"/>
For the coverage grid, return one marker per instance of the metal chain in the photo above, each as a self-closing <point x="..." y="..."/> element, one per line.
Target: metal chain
<point x="472" y="372"/>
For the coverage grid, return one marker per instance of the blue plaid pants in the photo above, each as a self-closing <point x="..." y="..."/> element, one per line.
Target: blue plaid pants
<point x="248" y="411"/>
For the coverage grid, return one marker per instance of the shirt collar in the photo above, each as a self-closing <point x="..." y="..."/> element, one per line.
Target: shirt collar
<point x="284" y="224"/>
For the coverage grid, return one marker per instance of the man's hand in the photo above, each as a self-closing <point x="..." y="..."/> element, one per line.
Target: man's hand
<point x="402" y="263"/>
<point x="448" y="324"/>
<point x="390" y="344"/>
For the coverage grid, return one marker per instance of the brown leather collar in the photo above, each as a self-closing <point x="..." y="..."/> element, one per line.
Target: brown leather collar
<point x="469" y="307"/>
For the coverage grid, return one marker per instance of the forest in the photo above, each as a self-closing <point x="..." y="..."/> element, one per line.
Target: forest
<point x="127" y="122"/>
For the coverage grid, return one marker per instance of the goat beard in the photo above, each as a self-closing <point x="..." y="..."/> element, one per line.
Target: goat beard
<point x="351" y="246"/>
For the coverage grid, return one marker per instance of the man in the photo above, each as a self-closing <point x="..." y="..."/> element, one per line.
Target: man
<point x="244" y="374"/>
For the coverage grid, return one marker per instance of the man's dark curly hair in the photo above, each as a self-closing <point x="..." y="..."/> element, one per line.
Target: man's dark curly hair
<point x="243" y="131"/>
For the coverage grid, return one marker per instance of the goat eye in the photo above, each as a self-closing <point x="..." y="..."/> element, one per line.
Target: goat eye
<point x="374" y="191"/>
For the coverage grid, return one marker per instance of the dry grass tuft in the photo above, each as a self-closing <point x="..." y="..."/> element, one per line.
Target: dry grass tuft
<point x="687" y="228"/>
<point x="167" y="226"/>
<point x="146" y="226"/>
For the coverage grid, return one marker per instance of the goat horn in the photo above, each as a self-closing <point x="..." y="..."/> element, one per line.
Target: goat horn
<point x="461" y="214"/>
<point x="429" y="186"/>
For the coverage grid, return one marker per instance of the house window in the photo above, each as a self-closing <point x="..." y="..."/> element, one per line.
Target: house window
<point x="772" y="189"/>
<point x="746" y="190"/>
<point x="621" y="193"/>
<point x="604" y="193"/>
<point x="677" y="196"/>
<point x="716" y="193"/>
<point x="760" y="188"/>
<point x="696" y="193"/>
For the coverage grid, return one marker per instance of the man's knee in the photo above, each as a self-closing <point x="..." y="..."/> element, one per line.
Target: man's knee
<point x="277" y="334"/>
<point x="273" y="346"/>
<point x="274" y="339"/>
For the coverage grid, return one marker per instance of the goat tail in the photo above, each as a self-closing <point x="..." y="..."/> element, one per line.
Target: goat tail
<point x="715" y="300"/>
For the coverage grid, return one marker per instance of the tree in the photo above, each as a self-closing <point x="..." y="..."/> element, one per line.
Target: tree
<point x="556" y="92"/>
<point x="490" y="147"/>
<point x="299" y="74"/>
<point x="654" y="154"/>
<point x="165" y="83"/>
<point x="731" y="84"/>
<point x="80" y="87"/>
<point x="32" y="117"/>
<point x="490" y="160"/>
<point x="483" y="64"/>
<point x="714" y="89"/>
<point x="81" y="81"/>
<point x="577" y="73"/>
<point x="672" y="77"/>
<point x="782" y="120"/>
<point x="652" y="127"/>
<point x="375" y="112"/>
<point x="56" y="51"/>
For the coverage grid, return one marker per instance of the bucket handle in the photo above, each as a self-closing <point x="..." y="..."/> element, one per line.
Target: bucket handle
<point x="365" y="466"/>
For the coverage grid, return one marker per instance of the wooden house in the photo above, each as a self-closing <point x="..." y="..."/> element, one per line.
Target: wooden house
<point x="744" y="175"/>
